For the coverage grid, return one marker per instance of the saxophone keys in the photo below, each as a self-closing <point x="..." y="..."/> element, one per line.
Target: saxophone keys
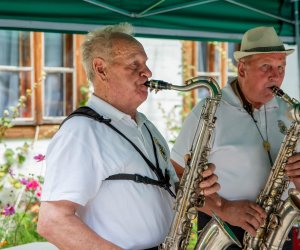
<point x="187" y="158"/>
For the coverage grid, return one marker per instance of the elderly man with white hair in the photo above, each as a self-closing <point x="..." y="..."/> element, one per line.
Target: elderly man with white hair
<point x="109" y="182"/>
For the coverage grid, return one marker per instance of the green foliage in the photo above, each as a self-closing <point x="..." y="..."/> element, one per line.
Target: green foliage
<point x="10" y="114"/>
<point x="173" y="123"/>
<point x="20" y="199"/>
<point x="19" y="228"/>
<point x="85" y="94"/>
<point x="19" y="194"/>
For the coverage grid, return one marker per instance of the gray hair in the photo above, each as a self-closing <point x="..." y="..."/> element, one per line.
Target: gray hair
<point x="99" y="43"/>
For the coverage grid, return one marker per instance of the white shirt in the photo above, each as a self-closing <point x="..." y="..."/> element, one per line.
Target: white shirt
<point x="85" y="152"/>
<point x="242" y="164"/>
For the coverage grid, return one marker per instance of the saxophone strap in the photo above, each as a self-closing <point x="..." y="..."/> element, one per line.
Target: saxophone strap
<point x="163" y="180"/>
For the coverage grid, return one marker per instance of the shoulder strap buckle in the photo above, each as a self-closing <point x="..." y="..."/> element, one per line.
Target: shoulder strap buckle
<point x="139" y="179"/>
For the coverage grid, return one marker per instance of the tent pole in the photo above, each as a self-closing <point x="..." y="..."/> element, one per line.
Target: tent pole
<point x="297" y="38"/>
<point x="260" y="11"/>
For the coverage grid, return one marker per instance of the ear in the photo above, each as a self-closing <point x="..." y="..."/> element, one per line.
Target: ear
<point x="99" y="67"/>
<point x="241" y="69"/>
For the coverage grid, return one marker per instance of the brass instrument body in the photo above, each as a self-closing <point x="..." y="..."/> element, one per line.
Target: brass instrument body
<point x="287" y="215"/>
<point x="280" y="214"/>
<point x="189" y="196"/>
<point x="216" y="235"/>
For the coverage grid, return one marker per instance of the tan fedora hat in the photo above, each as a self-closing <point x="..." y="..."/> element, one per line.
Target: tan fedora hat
<point x="260" y="40"/>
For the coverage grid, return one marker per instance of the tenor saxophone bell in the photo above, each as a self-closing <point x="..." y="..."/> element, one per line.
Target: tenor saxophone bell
<point x="214" y="238"/>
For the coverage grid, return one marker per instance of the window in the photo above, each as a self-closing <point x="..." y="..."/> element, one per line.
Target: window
<point x="232" y="64"/>
<point x="59" y="82"/>
<point x="207" y="59"/>
<point x="16" y="70"/>
<point x="49" y="64"/>
<point x="215" y="59"/>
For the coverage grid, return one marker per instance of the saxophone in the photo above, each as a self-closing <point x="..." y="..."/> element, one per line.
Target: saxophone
<point x="189" y="196"/>
<point x="281" y="215"/>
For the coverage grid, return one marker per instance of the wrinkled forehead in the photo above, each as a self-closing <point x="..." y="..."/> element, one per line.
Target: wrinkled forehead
<point x="124" y="45"/>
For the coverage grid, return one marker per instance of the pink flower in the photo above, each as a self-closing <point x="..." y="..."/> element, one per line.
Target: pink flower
<point x="38" y="194"/>
<point x="39" y="157"/>
<point x="32" y="185"/>
<point x="8" y="210"/>
<point x="24" y="181"/>
<point x="11" y="173"/>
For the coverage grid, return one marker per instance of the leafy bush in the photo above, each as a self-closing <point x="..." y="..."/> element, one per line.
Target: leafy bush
<point x="19" y="192"/>
<point x="20" y="200"/>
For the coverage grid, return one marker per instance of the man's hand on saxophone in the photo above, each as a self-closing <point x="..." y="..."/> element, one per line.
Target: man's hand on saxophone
<point x="242" y="213"/>
<point x="209" y="186"/>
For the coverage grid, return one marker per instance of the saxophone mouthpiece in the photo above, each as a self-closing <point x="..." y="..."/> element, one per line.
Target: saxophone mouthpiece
<point x="277" y="91"/>
<point x="157" y="85"/>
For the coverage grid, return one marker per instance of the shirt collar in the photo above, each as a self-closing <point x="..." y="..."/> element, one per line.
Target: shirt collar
<point x="105" y="109"/>
<point x="109" y="111"/>
<point x="140" y="119"/>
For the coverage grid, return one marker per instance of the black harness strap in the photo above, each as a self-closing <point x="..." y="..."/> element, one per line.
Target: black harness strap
<point x="163" y="181"/>
<point x="136" y="178"/>
<point x="87" y="112"/>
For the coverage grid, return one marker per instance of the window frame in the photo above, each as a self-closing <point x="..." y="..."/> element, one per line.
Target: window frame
<point x="190" y="67"/>
<point x="47" y="69"/>
<point x="15" y="69"/>
<point x="39" y="126"/>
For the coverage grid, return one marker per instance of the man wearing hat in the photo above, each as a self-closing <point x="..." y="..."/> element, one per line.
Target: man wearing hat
<point x="249" y="130"/>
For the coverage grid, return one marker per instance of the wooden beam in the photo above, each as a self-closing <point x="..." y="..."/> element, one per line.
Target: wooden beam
<point x="38" y="76"/>
<point x="25" y="60"/>
<point x="68" y="77"/>
<point x="81" y="78"/>
<point x="223" y="63"/>
<point x="25" y="132"/>
<point x="211" y="50"/>
<point x="190" y="69"/>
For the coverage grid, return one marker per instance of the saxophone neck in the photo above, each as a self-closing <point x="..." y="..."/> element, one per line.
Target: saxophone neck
<point x="191" y="84"/>
<point x="280" y="93"/>
<point x="294" y="112"/>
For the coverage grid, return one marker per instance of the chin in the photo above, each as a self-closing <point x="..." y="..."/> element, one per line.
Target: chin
<point x="267" y="99"/>
<point x="143" y="94"/>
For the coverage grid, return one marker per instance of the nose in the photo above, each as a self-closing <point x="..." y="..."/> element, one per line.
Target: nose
<point x="274" y="75"/>
<point x="146" y="72"/>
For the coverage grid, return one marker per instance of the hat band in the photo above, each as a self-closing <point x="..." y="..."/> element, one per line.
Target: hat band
<point x="266" y="49"/>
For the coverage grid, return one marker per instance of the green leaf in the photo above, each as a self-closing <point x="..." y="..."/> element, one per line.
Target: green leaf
<point x="21" y="159"/>
<point x="84" y="90"/>
<point x="8" y="153"/>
